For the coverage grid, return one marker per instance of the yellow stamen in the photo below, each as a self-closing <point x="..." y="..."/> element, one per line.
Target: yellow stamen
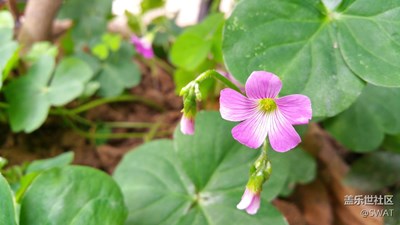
<point x="267" y="104"/>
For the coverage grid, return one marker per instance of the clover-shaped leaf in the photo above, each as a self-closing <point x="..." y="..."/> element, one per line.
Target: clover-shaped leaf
<point x="7" y="215"/>
<point x="39" y="49"/>
<point x="302" y="169"/>
<point x="31" y="96"/>
<point x="45" y="164"/>
<point x="324" y="53"/>
<point x="8" y="47"/>
<point x="363" y="126"/>
<point x="194" y="45"/>
<point x="90" y="20"/>
<point x="374" y="171"/>
<point x="118" y="72"/>
<point x="73" y="195"/>
<point x="196" y="179"/>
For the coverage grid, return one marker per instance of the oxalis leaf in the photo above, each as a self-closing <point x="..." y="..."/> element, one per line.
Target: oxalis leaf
<point x="375" y="171"/>
<point x="73" y="195"/>
<point x="45" y="164"/>
<point x="194" y="45"/>
<point x="196" y="179"/>
<point x="324" y="54"/>
<point x="7" y="212"/>
<point x="302" y="169"/>
<point x="90" y="20"/>
<point x="8" y="47"/>
<point x="362" y="127"/>
<point x="31" y="96"/>
<point x="116" y="73"/>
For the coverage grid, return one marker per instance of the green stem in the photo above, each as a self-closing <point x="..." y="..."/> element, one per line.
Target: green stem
<point x="152" y="132"/>
<point x="218" y="76"/>
<point x="122" y="98"/>
<point x="102" y="136"/>
<point x="264" y="149"/>
<point x="215" y="6"/>
<point x="262" y="160"/>
<point x="163" y="65"/>
<point x="128" y="124"/>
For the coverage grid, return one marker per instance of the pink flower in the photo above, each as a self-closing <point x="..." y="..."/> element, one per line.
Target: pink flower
<point x="263" y="114"/>
<point x="187" y="125"/>
<point x="143" y="46"/>
<point x="250" y="201"/>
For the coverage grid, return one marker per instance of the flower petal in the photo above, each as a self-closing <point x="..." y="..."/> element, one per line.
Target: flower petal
<point x="147" y="51"/>
<point x="253" y="131"/>
<point x="254" y="206"/>
<point x="282" y="135"/>
<point x="142" y="46"/>
<point x="296" y="108"/>
<point x="234" y="106"/>
<point x="263" y="84"/>
<point x="247" y="199"/>
<point x="187" y="125"/>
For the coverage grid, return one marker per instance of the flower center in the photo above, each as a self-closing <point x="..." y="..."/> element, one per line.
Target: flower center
<point x="267" y="104"/>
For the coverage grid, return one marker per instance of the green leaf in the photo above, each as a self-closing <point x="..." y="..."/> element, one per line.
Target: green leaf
<point x="45" y="164"/>
<point x="39" y="49"/>
<point x="319" y="53"/>
<point x="92" y="61"/>
<point x="7" y="215"/>
<point x="3" y="162"/>
<point x="193" y="46"/>
<point x="302" y="169"/>
<point x="183" y="77"/>
<point x="68" y="81"/>
<point x="147" y="5"/>
<point x="109" y="42"/>
<point x="374" y="171"/>
<point x="31" y="96"/>
<point x="6" y="20"/>
<point x="73" y="195"/>
<point x="118" y="72"/>
<point x="8" y="47"/>
<point x="90" y="20"/>
<point x="27" y="94"/>
<point x="7" y="50"/>
<point x="195" y="179"/>
<point x="134" y="22"/>
<point x="36" y="167"/>
<point x="112" y="41"/>
<point x="392" y="143"/>
<point x="90" y="89"/>
<point x="362" y="127"/>
<point x="23" y="185"/>
<point x="395" y="217"/>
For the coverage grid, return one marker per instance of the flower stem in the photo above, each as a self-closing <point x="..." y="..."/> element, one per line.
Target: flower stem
<point x="122" y="98"/>
<point x="93" y="135"/>
<point x="128" y="124"/>
<point x="264" y="149"/>
<point x="260" y="171"/>
<point x="164" y="65"/>
<point x="214" y="74"/>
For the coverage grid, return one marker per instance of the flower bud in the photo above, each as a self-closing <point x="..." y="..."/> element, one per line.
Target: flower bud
<point x="189" y="111"/>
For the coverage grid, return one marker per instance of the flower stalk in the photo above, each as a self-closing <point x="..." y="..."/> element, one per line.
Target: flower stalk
<point x="191" y="94"/>
<point x="260" y="172"/>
